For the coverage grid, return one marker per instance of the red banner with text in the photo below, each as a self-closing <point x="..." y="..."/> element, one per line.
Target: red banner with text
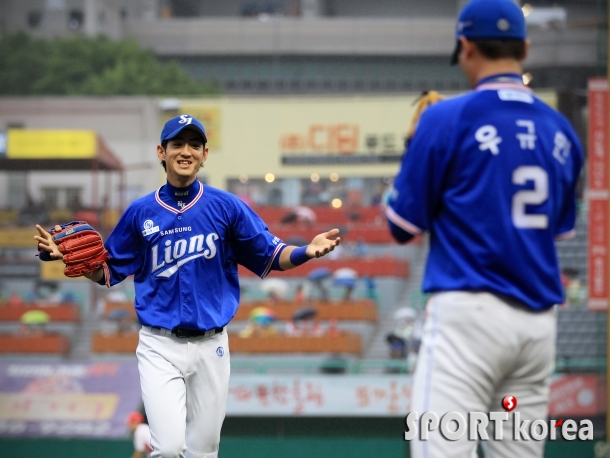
<point x="597" y="192"/>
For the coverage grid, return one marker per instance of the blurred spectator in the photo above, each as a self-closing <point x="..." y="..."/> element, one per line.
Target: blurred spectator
<point x="14" y="300"/>
<point x="68" y="297"/>
<point x="378" y="194"/>
<point x="261" y="323"/>
<point x="311" y="194"/>
<point x="276" y="289"/>
<point x="299" y="294"/>
<point x="405" y="339"/>
<point x="124" y="320"/>
<point x="398" y="347"/>
<point x="262" y="9"/>
<point x="33" y="322"/>
<point x="141" y="435"/>
<point x="115" y="294"/>
<point x="371" y="288"/>
<point x="300" y="215"/>
<point x="347" y="279"/>
<point x="333" y="328"/>
<point x="304" y="323"/>
<point x="361" y="250"/>
<point x="575" y="291"/>
<point x="47" y="292"/>
<point x="317" y="277"/>
<point x="302" y="293"/>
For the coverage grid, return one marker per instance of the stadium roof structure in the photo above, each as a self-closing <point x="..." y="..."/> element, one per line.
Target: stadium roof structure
<point x="55" y="150"/>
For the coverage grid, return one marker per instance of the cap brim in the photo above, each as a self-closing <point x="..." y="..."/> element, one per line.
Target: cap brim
<point x="456" y="52"/>
<point x="188" y="126"/>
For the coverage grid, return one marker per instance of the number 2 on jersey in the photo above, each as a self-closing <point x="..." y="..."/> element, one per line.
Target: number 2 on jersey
<point x="536" y="196"/>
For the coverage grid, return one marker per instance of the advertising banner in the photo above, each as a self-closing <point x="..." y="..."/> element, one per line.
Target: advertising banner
<point x="94" y="399"/>
<point x="380" y="395"/>
<point x="51" y="144"/>
<point x="67" y="400"/>
<point x="598" y="194"/>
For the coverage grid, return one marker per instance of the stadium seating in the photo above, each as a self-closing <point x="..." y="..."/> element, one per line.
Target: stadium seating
<point x="370" y="267"/>
<point x="56" y="312"/>
<point x="114" y="343"/>
<point x="354" y="310"/>
<point x="128" y="307"/>
<point x="43" y="343"/>
<point x="343" y="342"/>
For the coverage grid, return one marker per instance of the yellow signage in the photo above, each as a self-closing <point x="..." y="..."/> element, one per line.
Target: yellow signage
<point x="32" y="407"/>
<point x="250" y="136"/>
<point x="18" y="238"/>
<point x="54" y="270"/>
<point x="50" y="144"/>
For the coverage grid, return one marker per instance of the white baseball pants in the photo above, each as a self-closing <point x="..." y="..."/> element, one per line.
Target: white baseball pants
<point x="185" y="383"/>
<point x="476" y="349"/>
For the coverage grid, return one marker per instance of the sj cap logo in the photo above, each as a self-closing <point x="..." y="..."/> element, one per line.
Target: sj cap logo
<point x="503" y="25"/>
<point x="220" y="351"/>
<point x="463" y="25"/>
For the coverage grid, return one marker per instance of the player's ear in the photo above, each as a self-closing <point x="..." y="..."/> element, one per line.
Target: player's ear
<point x="467" y="47"/>
<point x="206" y="150"/>
<point x="526" y="49"/>
<point x="160" y="152"/>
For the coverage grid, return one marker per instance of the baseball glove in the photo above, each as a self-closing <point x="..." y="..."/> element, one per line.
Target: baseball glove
<point x="425" y="100"/>
<point x="82" y="248"/>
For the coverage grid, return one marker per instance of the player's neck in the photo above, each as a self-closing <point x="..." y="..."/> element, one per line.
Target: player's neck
<point x="489" y="68"/>
<point x="180" y="182"/>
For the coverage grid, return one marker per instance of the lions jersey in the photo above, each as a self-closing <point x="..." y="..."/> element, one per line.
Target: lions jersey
<point x="492" y="175"/>
<point x="183" y="245"/>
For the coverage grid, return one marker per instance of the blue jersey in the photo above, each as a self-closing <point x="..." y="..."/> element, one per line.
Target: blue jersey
<point x="492" y="176"/>
<point x="183" y="246"/>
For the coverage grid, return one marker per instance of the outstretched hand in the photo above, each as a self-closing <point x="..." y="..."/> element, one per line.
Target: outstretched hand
<point x="323" y="244"/>
<point x="46" y="242"/>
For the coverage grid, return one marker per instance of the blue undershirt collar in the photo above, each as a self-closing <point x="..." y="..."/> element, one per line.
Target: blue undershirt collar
<point x="513" y="78"/>
<point x="179" y="197"/>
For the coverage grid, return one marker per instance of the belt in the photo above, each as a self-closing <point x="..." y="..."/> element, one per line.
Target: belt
<point x="182" y="332"/>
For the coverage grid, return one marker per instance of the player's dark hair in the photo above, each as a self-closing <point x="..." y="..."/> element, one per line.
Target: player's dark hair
<point x="500" y="49"/>
<point x="164" y="146"/>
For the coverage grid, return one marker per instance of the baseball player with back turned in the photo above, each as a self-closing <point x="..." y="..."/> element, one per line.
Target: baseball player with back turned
<point x="492" y="176"/>
<point x="183" y="243"/>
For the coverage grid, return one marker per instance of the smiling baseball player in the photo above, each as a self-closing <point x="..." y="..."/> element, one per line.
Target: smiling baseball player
<point x="492" y="175"/>
<point x="183" y="243"/>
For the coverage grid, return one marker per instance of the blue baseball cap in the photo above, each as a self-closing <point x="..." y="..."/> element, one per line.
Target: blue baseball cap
<point x="489" y="19"/>
<point x="175" y="125"/>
